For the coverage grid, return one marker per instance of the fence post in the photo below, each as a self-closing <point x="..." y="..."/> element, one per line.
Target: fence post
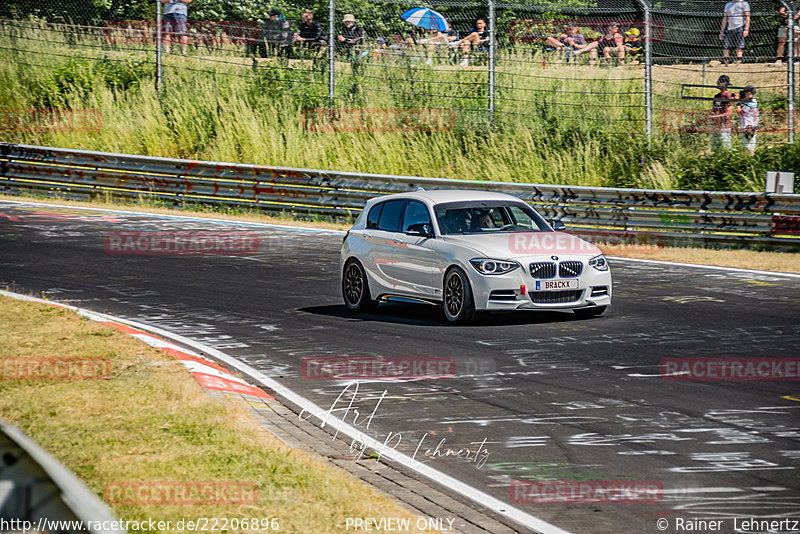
<point x="492" y="45"/>
<point x="331" y="51"/>
<point x="158" y="47"/>
<point x="790" y="80"/>
<point x="648" y="69"/>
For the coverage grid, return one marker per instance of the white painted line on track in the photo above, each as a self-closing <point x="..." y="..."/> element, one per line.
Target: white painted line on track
<point x="474" y="494"/>
<point x="342" y="232"/>
<point x="189" y="217"/>
<point x="701" y="266"/>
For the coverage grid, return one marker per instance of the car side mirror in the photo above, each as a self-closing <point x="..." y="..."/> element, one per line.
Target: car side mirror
<point x="420" y="230"/>
<point x="557" y="225"/>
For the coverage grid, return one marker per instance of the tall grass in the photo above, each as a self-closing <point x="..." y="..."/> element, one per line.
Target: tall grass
<point x="578" y="125"/>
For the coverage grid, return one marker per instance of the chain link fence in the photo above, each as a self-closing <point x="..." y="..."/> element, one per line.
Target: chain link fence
<point x="630" y="67"/>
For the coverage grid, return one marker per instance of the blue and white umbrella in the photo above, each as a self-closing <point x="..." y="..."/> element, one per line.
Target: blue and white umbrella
<point x="426" y="18"/>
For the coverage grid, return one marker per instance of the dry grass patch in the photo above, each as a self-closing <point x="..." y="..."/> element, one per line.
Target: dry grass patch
<point x="785" y="262"/>
<point x="150" y="421"/>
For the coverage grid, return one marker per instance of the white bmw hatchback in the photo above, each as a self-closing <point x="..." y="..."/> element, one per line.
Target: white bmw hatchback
<point x="469" y="251"/>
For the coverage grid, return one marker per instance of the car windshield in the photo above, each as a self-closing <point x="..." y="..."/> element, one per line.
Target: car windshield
<point x="487" y="217"/>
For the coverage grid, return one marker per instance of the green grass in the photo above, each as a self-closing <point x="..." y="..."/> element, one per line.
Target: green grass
<point x="577" y="125"/>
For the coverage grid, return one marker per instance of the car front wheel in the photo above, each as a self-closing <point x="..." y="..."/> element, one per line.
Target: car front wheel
<point x="458" y="302"/>
<point x="355" y="288"/>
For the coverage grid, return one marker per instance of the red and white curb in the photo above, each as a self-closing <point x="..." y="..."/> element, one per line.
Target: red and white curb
<point x="208" y="374"/>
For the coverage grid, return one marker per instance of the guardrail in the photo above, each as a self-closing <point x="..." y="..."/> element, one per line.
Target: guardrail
<point x="627" y="215"/>
<point x="37" y="489"/>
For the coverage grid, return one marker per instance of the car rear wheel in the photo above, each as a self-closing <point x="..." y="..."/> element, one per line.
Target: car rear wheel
<point x="458" y="303"/>
<point x="590" y="312"/>
<point x="355" y="288"/>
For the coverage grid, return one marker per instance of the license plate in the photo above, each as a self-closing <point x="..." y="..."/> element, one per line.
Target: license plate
<point x="555" y="285"/>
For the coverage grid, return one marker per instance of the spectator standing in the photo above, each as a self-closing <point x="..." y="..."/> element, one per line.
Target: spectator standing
<point x="783" y="34"/>
<point x="735" y="28"/>
<point x="720" y="117"/>
<point x="311" y="32"/>
<point x="277" y="34"/>
<point x="352" y="36"/>
<point x="477" y="38"/>
<point x="176" y="13"/>
<point x="748" y="117"/>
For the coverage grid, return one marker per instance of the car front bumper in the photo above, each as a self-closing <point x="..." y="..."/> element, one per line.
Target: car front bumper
<point x="517" y="290"/>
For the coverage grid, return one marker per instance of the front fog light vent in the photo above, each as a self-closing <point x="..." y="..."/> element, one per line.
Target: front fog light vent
<point x="599" y="291"/>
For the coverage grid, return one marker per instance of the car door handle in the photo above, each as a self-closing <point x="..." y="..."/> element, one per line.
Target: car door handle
<point x="398" y="241"/>
<point x="367" y="235"/>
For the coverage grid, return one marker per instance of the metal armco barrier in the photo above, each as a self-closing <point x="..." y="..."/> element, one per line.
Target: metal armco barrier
<point x="36" y="488"/>
<point x="669" y="217"/>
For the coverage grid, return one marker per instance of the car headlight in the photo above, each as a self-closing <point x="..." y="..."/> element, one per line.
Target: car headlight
<point x="490" y="266"/>
<point x="599" y="263"/>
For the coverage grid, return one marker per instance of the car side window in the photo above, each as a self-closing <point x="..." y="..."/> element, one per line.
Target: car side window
<point x="392" y="215"/>
<point x="416" y="213"/>
<point x="373" y="215"/>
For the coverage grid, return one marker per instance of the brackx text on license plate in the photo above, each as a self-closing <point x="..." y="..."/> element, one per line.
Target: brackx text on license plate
<point x="553" y="285"/>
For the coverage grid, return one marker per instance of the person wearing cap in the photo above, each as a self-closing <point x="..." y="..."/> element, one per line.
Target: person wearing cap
<point x="720" y="118"/>
<point x="735" y="27"/>
<point x="632" y="43"/>
<point x="352" y="35"/>
<point x="276" y="34"/>
<point x="747" y="108"/>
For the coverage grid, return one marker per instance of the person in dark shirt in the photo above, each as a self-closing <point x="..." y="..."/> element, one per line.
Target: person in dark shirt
<point x="632" y="44"/>
<point x="478" y="38"/>
<point x="276" y="34"/>
<point x="352" y="36"/>
<point x="721" y="111"/>
<point x="311" y="32"/>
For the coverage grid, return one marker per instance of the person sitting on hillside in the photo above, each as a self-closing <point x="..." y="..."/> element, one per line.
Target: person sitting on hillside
<point x="569" y="41"/>
<point x="612" y="40"/>
<point x="478" y="38"/>
<point x="632" y="45"/>
<point x="440" y="38"/>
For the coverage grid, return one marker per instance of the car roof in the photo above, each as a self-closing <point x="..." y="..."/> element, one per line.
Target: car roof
<point x="440" y="196"/>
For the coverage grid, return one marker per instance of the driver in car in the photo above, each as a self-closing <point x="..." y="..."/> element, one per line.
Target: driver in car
<point x="483" y="219"/>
